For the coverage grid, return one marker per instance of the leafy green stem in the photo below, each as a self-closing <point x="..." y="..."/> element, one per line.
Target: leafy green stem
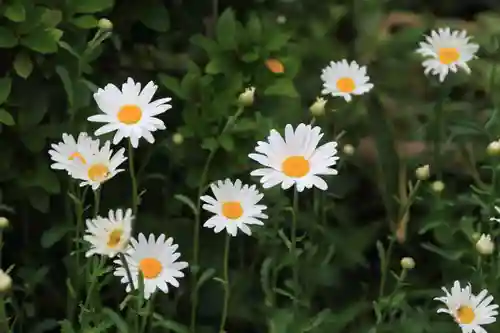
<point x="293" y="247"/>
<point x="439" y="128"/>
<point x="135" y="195"/>
<point x="226" y="283"/>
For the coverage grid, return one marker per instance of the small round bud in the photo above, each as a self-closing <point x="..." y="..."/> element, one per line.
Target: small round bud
<point x="318" y="107"/>
<point x="348" y="149"/>
<point x="4" y="222"/>
<point x="281" y="19"/>
<point x="423" y="172"/>
<point x="105" y="24"/>
<point x="475" y="236"/>
<point x="493" y="148"/>
<point x="408" y="263"/>
<point x="177" y="138"/>
<point x="246" y="98"/>
<point x="437" y="186"/>
<point x="484" y="245"/>
<point x="5" y="281"/>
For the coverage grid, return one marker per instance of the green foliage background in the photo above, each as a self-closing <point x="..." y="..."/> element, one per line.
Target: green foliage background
<point x="203" y="55"/>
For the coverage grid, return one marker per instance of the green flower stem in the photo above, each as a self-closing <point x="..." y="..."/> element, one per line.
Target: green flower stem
<point x="226" y="284"/>
<point x="93" y="283"/>
<point x="293" y="248"/>
<point x="135" y="195"/>
<point x="197" y="221"/>
<point x="439" y="128"/>
<point x="149" y="313"/>
<point x="4" y="321"/>
<point x="97" y="202"/>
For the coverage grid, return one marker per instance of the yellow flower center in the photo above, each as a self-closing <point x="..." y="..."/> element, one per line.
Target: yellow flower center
<point x="129" y="114"/>
<point x="98" y="172"/>
<point x="448" y="55"/>
<point x="232" y="210"/>
<point x="465" y="314"/>
<point x="150" y="267"/>
<point x="295" y="166"/>
<point x="78" y="156"/>
<point x="114" y="237"/>
<point x="346" y="85"/>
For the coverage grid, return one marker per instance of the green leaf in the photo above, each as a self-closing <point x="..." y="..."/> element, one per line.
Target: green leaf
<point x="15" y="12"/>
<point x="85" y="21"/>
<point x="215" y="66"/>
<point x="91" y="6"/>
<point x="39" y="199"/>
<point x="121" y="325"/>
<point x="41" y="41"/>
<point x="227" y="142"/>
<point x="188" y="202"/>
<point x="23" y="65"/>
<point x="209" y="144"/>
<point x="254" y="28"/>
<point x="172" y="84"/>
<point x="169" y="325"/>
<point x="67" y="84"/>
<point x="205" y="276"/>
<point x="7" y="38"/>
<point x="46" y="325"/>
<point x="6" y="118"/>
<point x="282" y="87"/>
<point x="54" y="235"/>
<point x="155" y="17"/>
<point x="66" y="326"/>
<point x="226" y="30"/>
<point x="277" y="41"/>
<point x="51" y="17"/>
<point x="5" y="86"/>
<point x="46" y="179"/>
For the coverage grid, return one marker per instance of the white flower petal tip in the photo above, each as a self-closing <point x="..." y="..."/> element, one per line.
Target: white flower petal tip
<point x="345" y="80"/>
<point x="295" y="159"/>
<point x="446" y="51"/>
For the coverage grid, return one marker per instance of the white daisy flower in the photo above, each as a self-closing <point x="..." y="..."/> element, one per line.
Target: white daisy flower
<point x="65" y="152"/>
<point x="296" y="159"/>
<point x="447" y="51"/>
<point x="469" y="311"/>
<point x="156" y="260"/>
<point x="101" y="165"/>
<point x="235" y="207"/>
<point x="343" y="79"/>
<point x="109" y="236"/>
<point x="130" y="111"/>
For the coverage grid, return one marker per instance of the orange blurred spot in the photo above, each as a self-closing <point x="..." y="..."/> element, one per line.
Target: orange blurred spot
<point x="275" y="66"/>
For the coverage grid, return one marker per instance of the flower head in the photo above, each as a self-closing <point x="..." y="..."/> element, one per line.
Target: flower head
<point x="65" y="153"/>
<point x="423" y="172"/>
<point x="100" y="165"/>
<point x="408" y="263"/>
<point x="469" y="311"/>
<point x="109" y="236"/>
<point x="318" y="107"/>
<point x="344" y="79"/>
<point x="485" y="245"/>
<point x="130" y="112"/>
<point x="296" y="159"/>
<point x="246" y="98"/>
<point x="235" y="207"/>
<point x="446" y="51"/>
<point x="156" y="259"/>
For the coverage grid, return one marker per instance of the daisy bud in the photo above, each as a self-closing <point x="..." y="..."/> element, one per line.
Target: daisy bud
<point x="493" y="148"/>
<point x="246" y="98"/>
<point x="4" y="222"/>
<point x="484" y="245"/>
<point x="105" y="24"/>
<point x="177" y="138"/>
<point x="281" y="19"/>
<point x="318" y="107"/>
<point x="5" y="281"/>
<point x="423" y="172"/>
<point x="408" y="263"/>
<point x="348" y="149"/>
<point x="475" y="236"/>
<point x="437" y="186"/>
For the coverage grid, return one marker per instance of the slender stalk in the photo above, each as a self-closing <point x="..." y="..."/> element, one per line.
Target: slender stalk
<point x="197" y="221"/>
<point x="97" y="202"/>
<point x="149" y="312"/>
<point x="385" y="267"/>
<point x="293" y="248"/>
<point x="93" y="283"/>
<point x="4" y="321"/>
<point x="439" y="128"/>
<point x="135" y="195"/>
<point x="226" y="284"/>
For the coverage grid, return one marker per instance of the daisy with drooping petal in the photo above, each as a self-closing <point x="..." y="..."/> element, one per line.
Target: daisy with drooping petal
<point x="65" y="152"/>
<point x="296" y="159"/>
<point x="235" y="207"/>
<point x="469" y="311"/>
<point x="343" y="79"/>
<point x="447" y="51"/>
<point x="130" y="112"/>
<point x="101" y="165"/>
<point x="156" y="259"/>
<point x="109" y="236"/>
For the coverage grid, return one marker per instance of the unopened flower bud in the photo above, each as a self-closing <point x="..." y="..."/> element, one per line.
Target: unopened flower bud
<point x="423" y="172"/>
<point x="281" y="19"/>
<point x="485" y="245"/>
<point x="493" y="148"/>
<point x="437" y="186"/>
<point x="318" y="107"/>
<point x="475" y="236"/>
<point x="246" y="98"/>
<point x="4" y="222"/>
<point x="348" y="149"/>
<point x="177" y="138"/>
<point x="408" y="263"/>
<point x="105" y="24"/>
<point x="5" y="281"/>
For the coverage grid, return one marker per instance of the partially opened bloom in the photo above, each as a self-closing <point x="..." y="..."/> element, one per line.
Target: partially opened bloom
<point x="469" y="311"/>
<point x="65" y="152"/>
<point x="446" y="51"/>
<point x="100" y="165"/>
<point x="296" y="159"/>
<point x="130" y="112"/>
<point x="344" y="79"/>
<point x="156" y="259"/>
<point x="109" y="236"/>
<point x="235" y="207"/>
